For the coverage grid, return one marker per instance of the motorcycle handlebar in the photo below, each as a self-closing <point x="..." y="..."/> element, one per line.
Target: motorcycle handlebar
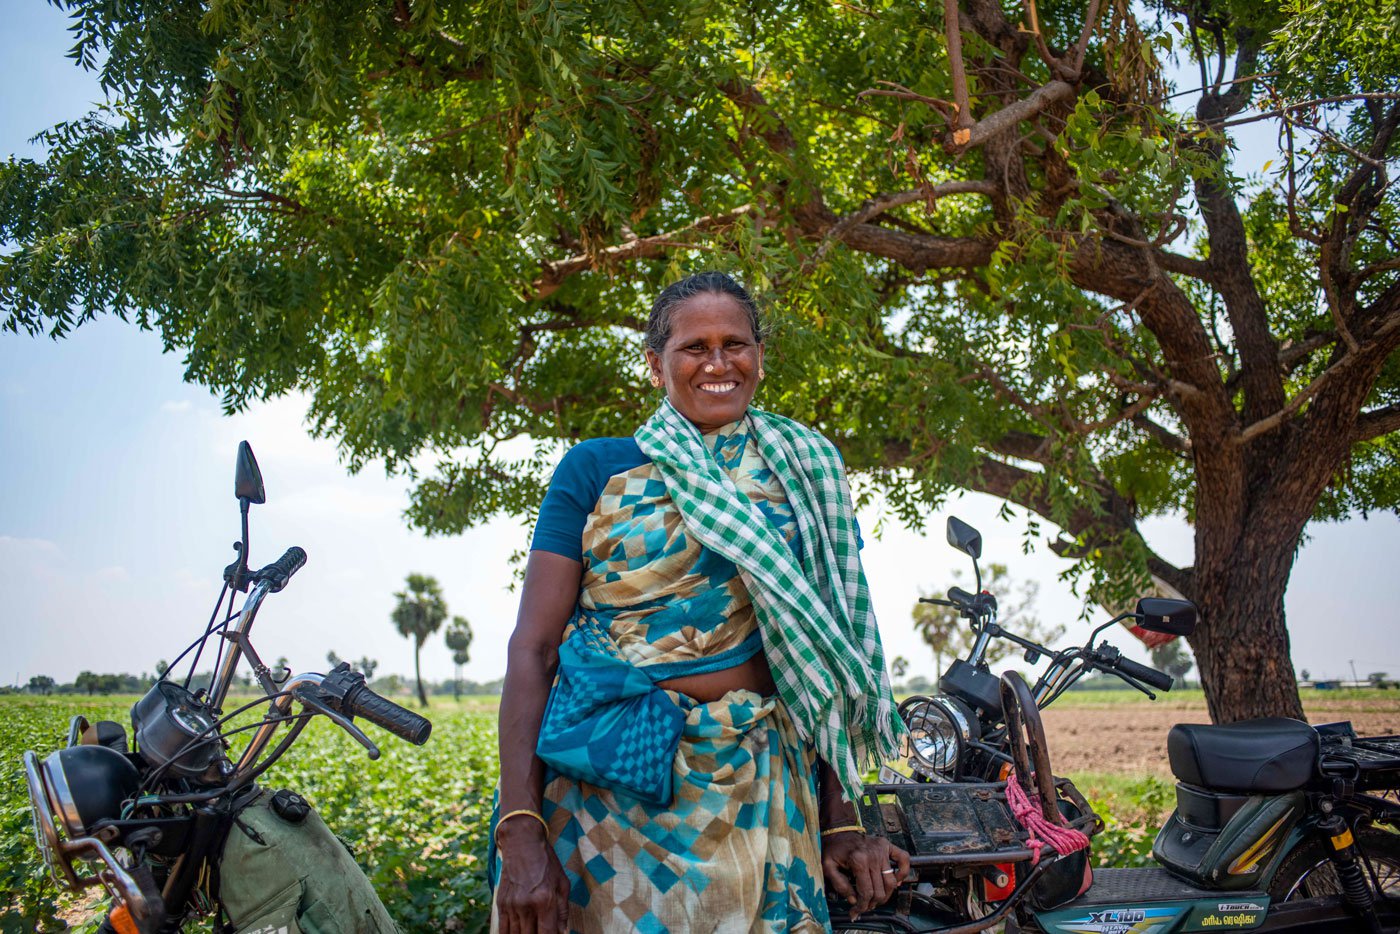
<point x="279" y="572"/>
<point x="383" y="712"/>
<point x="1157" y="679"/>
<point x="959" y="596"/>
<point x="347" y="693"/>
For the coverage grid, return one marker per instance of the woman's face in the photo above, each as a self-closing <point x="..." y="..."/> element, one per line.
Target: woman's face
<point x="710" y="365"/>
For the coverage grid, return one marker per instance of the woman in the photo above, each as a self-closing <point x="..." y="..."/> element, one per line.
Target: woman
<point x="712" y="556"/>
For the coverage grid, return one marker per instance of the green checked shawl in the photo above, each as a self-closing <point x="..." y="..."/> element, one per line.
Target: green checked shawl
<point x="818" y="630"/>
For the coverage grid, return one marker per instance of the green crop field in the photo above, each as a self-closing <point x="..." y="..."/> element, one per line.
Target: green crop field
<point x="416" y="819"/>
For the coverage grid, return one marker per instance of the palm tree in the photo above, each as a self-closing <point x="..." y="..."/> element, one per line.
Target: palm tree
<point x="419" y="613"/>
<point x="459" y="640"/>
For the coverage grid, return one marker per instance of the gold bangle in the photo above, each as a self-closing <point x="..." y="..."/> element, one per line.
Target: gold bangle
<point x="525" y="811"/>
<point x="844" y="828"/>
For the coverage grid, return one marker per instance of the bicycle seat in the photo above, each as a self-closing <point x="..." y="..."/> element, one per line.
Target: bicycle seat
<point x="1273" y="754"/>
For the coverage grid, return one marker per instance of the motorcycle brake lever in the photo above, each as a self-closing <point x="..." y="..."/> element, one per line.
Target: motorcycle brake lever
<point x="304" y="695"/>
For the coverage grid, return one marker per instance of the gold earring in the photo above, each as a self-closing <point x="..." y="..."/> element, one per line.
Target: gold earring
<point x="655" y="380"/>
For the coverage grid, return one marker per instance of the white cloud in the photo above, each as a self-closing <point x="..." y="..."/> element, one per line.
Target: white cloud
<point x="176" y="408"/>
<point x="112" y="575"/>
<point x="20" y="549"/>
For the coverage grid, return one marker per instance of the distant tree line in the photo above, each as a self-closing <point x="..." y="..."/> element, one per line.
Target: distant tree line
<point x="93" y="683"/>
<point x="89" y="682"/>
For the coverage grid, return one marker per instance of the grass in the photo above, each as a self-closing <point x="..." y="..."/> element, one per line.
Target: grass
<point x="1133" y="808"/>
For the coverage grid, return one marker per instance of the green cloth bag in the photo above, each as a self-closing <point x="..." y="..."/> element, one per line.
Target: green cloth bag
<point x="300" y="879"/>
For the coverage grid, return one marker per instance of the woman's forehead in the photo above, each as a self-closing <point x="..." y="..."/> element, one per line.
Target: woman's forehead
<point x="710" y="314"/>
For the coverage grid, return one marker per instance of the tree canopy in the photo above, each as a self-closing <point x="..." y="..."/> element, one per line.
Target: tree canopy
<point x="993" y="254"/>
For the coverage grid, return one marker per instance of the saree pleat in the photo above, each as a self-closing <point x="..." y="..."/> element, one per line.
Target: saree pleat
<point x="736" y="851"/>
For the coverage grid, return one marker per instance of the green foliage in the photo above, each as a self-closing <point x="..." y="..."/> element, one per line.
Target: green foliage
<point x="444" y="223"/>
<point x="382" y="229"/>
<point x="459" y="640"/>
<point x="416" y="819"/>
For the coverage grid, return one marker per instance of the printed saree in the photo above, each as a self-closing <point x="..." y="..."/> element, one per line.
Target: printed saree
<point x="738" y="848"/>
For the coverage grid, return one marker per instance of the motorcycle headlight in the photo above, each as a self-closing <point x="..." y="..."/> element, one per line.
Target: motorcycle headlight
<point x="939" y="730"/>
<point x="87" y="784"/>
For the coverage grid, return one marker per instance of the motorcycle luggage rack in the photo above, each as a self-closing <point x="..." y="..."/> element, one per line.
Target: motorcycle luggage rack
<point x="960" y="824"/>
<point x="1372" y="761"/>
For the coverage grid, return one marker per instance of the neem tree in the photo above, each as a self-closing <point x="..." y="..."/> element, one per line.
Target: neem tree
<point x="993" y="255"/>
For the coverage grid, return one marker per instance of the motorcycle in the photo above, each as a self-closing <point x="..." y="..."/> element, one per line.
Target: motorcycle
<point x="1278" y="825"/>
<point x="175" y="826"/>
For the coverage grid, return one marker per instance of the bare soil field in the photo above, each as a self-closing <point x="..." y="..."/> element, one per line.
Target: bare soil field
<point x="1130" y="738"/>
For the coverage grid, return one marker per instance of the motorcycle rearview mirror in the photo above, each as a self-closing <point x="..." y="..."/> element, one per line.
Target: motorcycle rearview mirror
<point x="247" y="479"/>
<point x="968" y="540"/>
<point x="248" y="487"/>
<point x="964" y="537"/>
<point x="1162" y="614"/>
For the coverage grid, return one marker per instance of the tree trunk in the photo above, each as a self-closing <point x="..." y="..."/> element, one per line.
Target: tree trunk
<point x="1242" y="569"/>
<point x="457" y="684"/>
<point x="417" y="673"/>
<point x="1242" y="645"/>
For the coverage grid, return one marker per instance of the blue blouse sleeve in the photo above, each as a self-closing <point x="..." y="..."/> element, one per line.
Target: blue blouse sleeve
<point x="573" y="492"/>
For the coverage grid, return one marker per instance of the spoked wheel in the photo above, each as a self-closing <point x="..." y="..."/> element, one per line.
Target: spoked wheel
<point x="1308" y="872"/>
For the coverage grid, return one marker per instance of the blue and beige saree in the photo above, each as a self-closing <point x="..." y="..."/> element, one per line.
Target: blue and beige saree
<point x="738" y="848"/>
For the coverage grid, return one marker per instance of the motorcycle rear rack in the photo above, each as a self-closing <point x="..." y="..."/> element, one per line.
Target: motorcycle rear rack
<point x="1372" y="763"/>
<point x="59" y="852"/>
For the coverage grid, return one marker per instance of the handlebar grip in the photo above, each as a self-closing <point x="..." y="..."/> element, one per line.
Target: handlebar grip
<point x="960" y="597"/>
<point x="382" y="712"/>
<point x="279" y="572"/>
<point x="1157" y="679"/>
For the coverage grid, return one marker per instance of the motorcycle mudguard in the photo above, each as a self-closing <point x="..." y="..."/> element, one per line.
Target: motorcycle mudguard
<point x="298" y="878"/>
<point x="1238" y="856"/>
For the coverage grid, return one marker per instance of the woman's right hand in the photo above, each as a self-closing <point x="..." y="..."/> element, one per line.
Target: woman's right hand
<point x="532" y="896"/>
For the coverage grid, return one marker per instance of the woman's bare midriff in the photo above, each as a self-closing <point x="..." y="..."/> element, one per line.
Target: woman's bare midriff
<point x="752" y="675"/>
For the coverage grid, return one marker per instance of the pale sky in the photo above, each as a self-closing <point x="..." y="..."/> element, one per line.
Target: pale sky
<point x="116" y="506"/>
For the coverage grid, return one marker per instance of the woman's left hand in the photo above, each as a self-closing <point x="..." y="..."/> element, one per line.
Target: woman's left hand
<point x="864" y="870"/>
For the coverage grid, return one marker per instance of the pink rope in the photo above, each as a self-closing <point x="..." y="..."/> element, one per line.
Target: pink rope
<point x="1062" y="840"/>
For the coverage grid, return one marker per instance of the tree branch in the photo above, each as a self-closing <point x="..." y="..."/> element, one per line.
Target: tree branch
<point x="1292" y="353"/>
<point x="1185" y="265"/>
<point x="1376" y="422"/>
<point x="878" y="205"/>
<point x="1036" y="103"/>
<point x="957" y="74"/>
<point x="1229" y="256"/>
<point x="554" y="273"/>
<point x="1310" y="104"/>
<point x="1098" y="527"/>
<point x="1163" y="435"/>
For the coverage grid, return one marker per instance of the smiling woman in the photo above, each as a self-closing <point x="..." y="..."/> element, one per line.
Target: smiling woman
<point x="709" y="359"/>
<point x="695" y="598"/>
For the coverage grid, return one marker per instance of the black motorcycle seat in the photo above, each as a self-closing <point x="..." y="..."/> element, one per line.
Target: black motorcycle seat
<point x="1271" y="755"/>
